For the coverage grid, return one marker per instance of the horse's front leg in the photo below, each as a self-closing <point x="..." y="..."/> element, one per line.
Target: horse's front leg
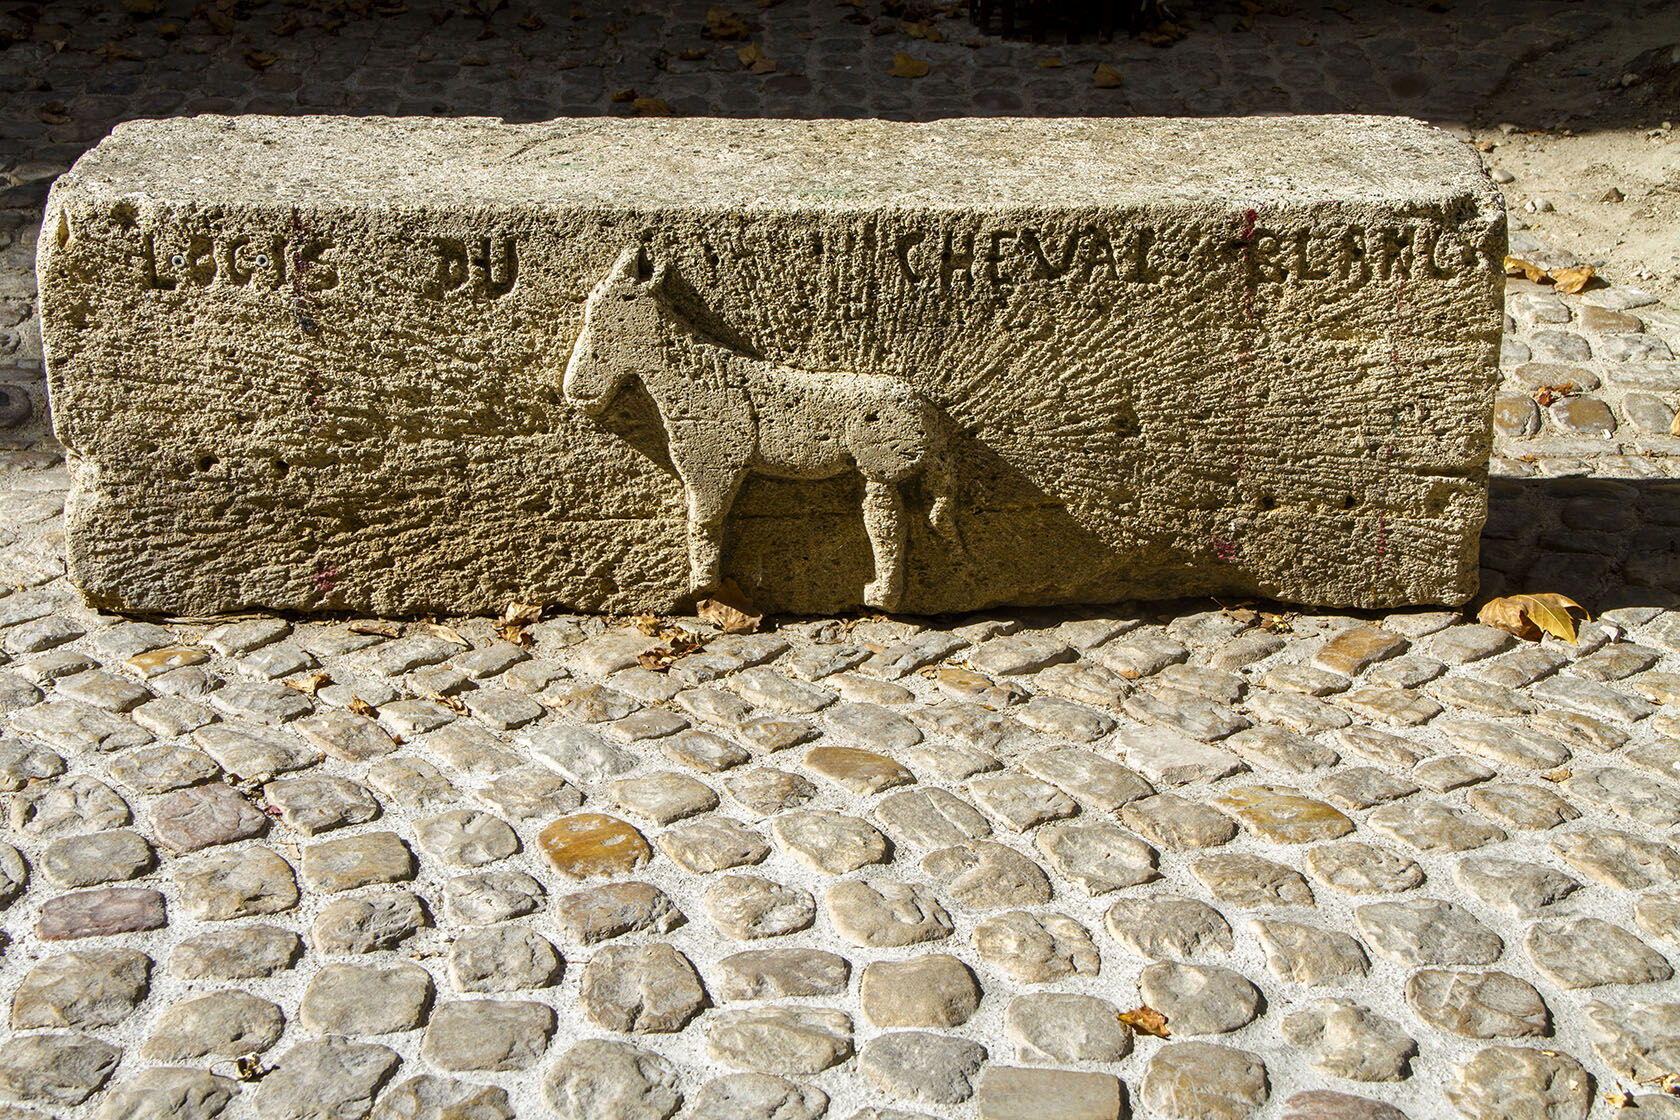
<point x="883" y="520"/>
<point x="710" y="490"/>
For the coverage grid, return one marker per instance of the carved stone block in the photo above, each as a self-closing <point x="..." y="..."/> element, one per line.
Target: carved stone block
<point x="439" y="365"/>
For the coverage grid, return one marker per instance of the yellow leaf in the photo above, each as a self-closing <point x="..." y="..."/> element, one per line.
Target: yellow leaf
<point x="363" y="708"/>
<point x="1146" y="1020"/>
<point x="1517" y="267"/>
<point x="1051" y="63"/>
<point x="749" y="54"/>
<point x="1106" y="77"/>
<point x="1619" y="1100"/>
<point x="260" y="60"/>
<point x="1570" y="281"/>
<point x="1528" y="616"/>
<point x="904" y="66"/>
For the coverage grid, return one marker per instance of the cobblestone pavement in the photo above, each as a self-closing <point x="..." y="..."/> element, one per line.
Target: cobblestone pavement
<point x="882" y="867"/>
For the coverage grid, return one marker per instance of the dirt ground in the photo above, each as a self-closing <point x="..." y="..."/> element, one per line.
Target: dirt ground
<point x="1603" y="182"/>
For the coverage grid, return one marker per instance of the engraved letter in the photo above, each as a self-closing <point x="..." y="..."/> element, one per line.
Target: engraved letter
<point x="452" y="268"/>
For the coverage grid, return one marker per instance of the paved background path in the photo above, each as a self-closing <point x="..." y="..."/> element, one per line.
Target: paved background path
<point x="281" y="869"/>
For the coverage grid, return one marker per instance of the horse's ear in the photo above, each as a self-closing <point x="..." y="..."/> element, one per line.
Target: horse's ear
<point x="633" y="266"/>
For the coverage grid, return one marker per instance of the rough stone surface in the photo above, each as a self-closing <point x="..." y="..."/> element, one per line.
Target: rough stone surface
<point x="600" y="307"/>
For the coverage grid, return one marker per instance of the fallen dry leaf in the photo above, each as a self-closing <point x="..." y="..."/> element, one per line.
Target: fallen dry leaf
<point x="721" y="23"/>
<point x="1619" y="1100"/>
<point x="362" y="708"/>
<point x="510" y="627"/>
<point x="453" y="703"/>
<point x="679" y="646"/>
<point x="1528" y="616"/>
<point x="260" y="60"/>
<point x="447" y="633"/>
<point x="1570" y="281"/>
<point x="1674" y="428"/>
<point x="1054" y="62"/>
<point x="1548" y="394"/>
<point x="374" y="627"/>
<point x="1146" y="1020"/>
<point x="904" y="66"/>
<point x="311" y="684"/>
<point x="730" y="611"/>
<point x="650" y="107"/>
<point x="1106" y="77"/>
<point x="1561" y="774"/>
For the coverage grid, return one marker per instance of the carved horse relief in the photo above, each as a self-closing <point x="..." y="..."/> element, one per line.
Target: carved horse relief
<point x="728" y="413"/>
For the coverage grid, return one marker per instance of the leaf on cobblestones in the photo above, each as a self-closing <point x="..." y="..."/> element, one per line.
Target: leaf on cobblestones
<point x="730" y="611"/>
<point x="660" y="658"/>
<point x="1054" y="62"/>
<point x="1570" y="281"/>
<point x="515" y="618"/>
<point x="311" y="684"/>
<point x="1146" y="1020"/>
<point x="1674" y="428"/>
<point x="363" y="708"/>
<point x="260" y="60"/>
<point x="904" y="66"/>
<point x="1529" y="616"/>
<point x="447" y="633"/>
<point x="376" y="628"/>
<point x="721" y="23"/>
<point x="1106" y="77"/>
<point x="453" y="703"/>
<point x="1548" y="394"/>
<point x="1561" y="774"/>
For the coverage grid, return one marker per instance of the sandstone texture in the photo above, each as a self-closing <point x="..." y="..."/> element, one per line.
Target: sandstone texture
<point x="416" y="365"/>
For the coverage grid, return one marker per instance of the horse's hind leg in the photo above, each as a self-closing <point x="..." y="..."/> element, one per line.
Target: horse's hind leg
<point x="883" y="520"/>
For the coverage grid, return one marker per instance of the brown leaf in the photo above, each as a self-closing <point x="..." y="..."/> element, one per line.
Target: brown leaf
<point x="1517" y="267"/>
<point x="721" y="23"/>
<point x="730" y="611"/>
<point x="1619" y="1100"/>
<point x="1547" y="394"/>
<point x="260" y="60"/>
<point x="1107" y="77"/>
<point x="624" y="96"/>
<point x="1570" y="281"/>
<point x="374" y="626"/>
<point x="1146" y="1020"/>
<point x="363" y="708"/>
<point x="1529" y="616"/>
<point x="311" y="684"/>
<point x="650" y="107"/>
<point x="1561" y="774"/>
<point x="1054" y="62"/>
<point x="904" y="66"/>
<point x="524" y="613"/>
<point x="447" y="633"/>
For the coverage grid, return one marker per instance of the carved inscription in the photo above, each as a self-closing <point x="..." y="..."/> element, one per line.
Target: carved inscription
<point x="1351" y="256"/>
<point x="485" y="268"/>
<point x="175" y="260"/>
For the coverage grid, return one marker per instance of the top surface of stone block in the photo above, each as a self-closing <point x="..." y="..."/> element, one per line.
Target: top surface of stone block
<point x="736" y="165"/>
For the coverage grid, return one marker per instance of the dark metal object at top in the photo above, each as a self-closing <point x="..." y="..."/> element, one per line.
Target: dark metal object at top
<point x="1070" y="21"/>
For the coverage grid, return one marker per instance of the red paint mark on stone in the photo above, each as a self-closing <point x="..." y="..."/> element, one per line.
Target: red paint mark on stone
<point x="326" y="576"/>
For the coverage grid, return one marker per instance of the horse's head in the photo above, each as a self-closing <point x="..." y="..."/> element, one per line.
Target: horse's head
<point x="620" y="332"/>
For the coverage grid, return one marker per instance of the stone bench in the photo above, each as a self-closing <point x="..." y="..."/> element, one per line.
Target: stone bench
<point x="404" y="366"/>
